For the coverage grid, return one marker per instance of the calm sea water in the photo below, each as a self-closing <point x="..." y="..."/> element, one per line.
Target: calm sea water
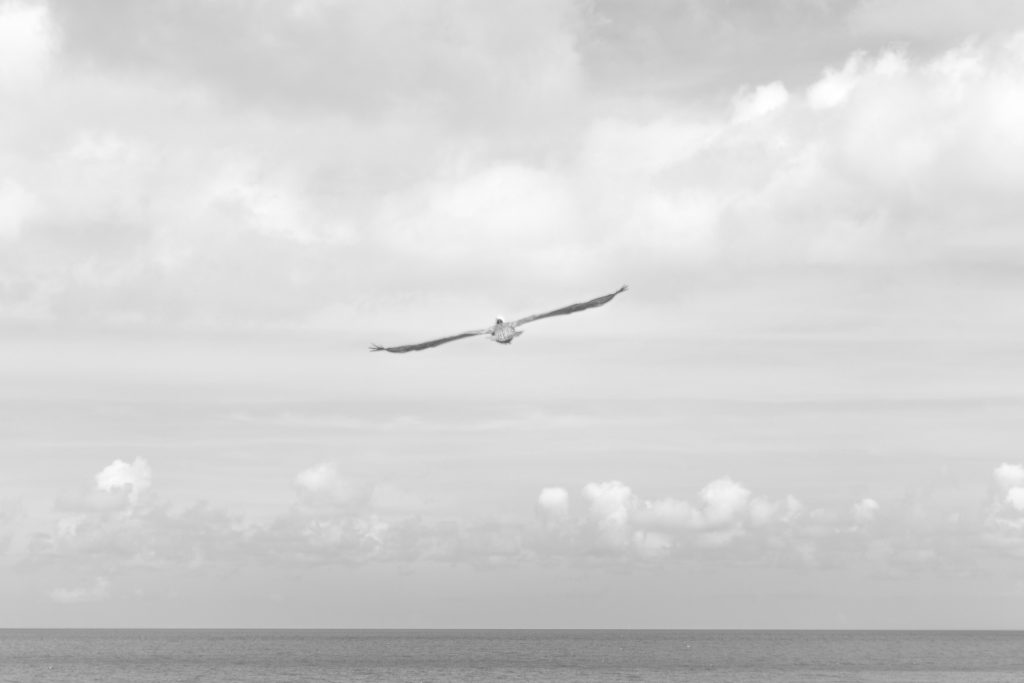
<point x="143" y="656"/>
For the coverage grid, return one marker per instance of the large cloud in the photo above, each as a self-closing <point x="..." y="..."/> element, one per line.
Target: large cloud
<point x="185" y="182"/>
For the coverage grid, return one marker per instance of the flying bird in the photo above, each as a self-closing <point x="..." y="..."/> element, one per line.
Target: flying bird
<point x="501" y="331"/>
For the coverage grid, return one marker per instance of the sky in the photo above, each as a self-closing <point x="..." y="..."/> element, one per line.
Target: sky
<point x="804" y="412"/>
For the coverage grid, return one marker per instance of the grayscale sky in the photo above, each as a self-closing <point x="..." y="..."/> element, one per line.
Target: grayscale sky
<point x="805" y="412"/>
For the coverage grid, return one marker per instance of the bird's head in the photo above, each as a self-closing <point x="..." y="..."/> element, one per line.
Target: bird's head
<point x="499" y="321"/>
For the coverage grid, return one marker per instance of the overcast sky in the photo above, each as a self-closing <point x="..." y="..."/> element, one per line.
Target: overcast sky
<point x="805" y="412"/>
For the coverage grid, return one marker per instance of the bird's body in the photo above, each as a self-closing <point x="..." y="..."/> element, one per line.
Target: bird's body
<point x="501" y="331"/>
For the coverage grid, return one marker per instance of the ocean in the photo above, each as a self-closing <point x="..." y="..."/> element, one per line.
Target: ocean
<point x="222" y="656"/>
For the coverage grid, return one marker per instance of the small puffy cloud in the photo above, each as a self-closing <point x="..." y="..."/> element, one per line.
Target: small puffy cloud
<point x="318" y="478"/>
<point x="608" y="500"/>
<point x="1010" y="479"/>
<point x="1015" y="497"/>
<point x="325" y="483"/>
<point x="764" y="100"/>
<point x="724" y="501"/>
<point x="764" y="511"/>
<point x="1005" y="520"/>
<point x="553" y="504"/>
<point x="16" y="207"/>
<point x="98" y="590"/>
<point x="835" y="86"/>
<point x="610" y="504"/>
<point x="120" y="475"/>
<point x="1008" y="476"/>
<point x="865" y="510"/>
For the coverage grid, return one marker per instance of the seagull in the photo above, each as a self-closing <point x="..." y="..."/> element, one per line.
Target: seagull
<point x="501" y="331"/>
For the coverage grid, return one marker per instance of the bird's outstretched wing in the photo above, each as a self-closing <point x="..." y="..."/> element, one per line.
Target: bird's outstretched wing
<point x="428" y="344"/>
<point x="599" y="301"/>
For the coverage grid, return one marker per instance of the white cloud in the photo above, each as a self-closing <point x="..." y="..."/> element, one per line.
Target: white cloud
<point x="198" y="221"/>
<point x="324" y="482"/>
<point x="724" y="501"/>
<point x="610" y="504"/>
<point x="1008" y="475"/>
<point x="27" y="41"/>
<point x="865" y="510"/>
<point x="618" y="520"/>
<point x="1005" y="521"/>
<point x="834" y="87"/>
<point x="667" y="513"/>
<point x="318" y="478"/>
<point x="955" y="71"/>
<point x="764" y="511"/>
<point x="17" y="205"/>
<point x="334" y="521"/>
<point x="136" y="477"/>
<point x="726" y="520"/>
<point x="553" y="503"/>
<point x="496" y="212"/>
<point x="622" y="150"/>
<point x="359" y="537"/>
<point x="275" y="206"/>
<point x="762" y="101"/>
<point x="98" y="590"/>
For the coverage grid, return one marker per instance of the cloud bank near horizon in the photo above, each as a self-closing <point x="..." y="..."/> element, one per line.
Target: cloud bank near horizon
<point x="334" y="521"/>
